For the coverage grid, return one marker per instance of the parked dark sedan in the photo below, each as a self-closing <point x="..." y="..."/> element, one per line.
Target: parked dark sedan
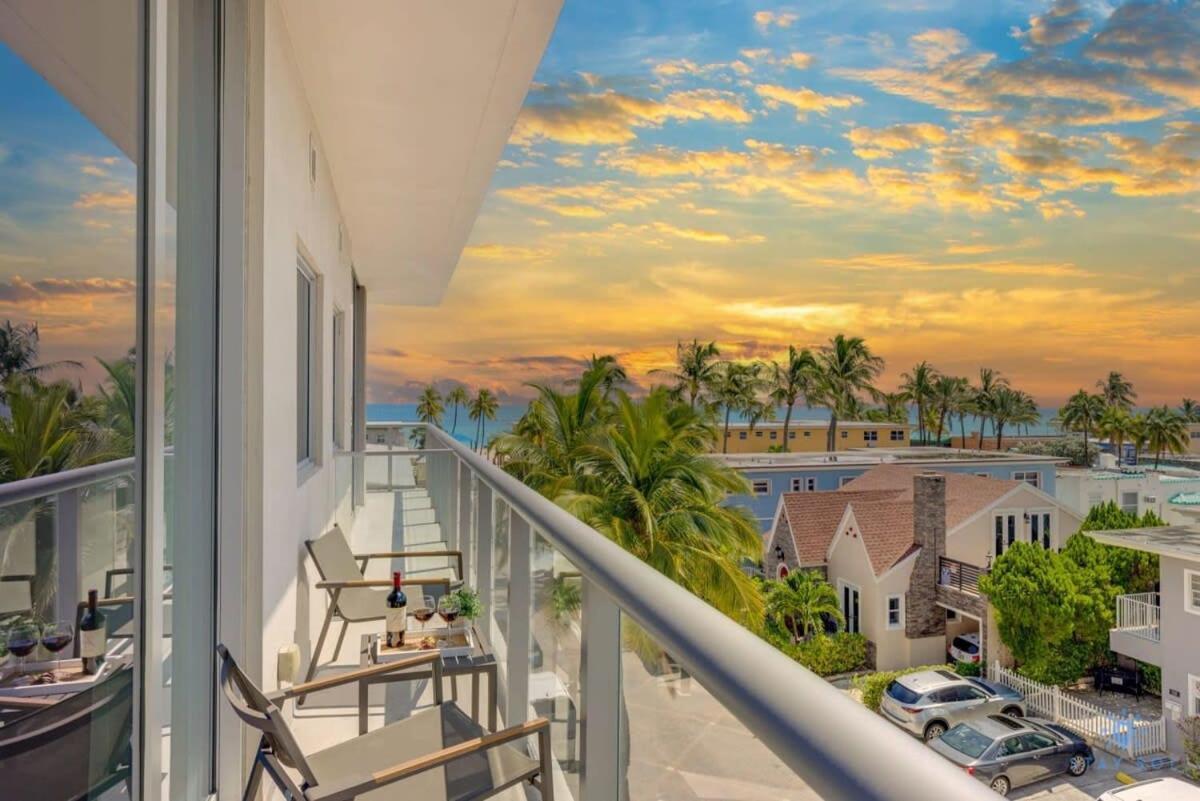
<point x="1005" y="752"/>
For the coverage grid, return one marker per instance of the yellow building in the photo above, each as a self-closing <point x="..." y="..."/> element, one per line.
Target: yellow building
<point x="809" y="435"/>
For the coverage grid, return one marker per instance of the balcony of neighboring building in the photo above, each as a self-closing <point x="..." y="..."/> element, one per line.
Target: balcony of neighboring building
<point x="1138" y="629"/>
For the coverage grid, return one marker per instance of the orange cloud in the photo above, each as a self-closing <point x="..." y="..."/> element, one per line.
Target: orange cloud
<point x="120" y="200"/>
<point x="804" y="100"/>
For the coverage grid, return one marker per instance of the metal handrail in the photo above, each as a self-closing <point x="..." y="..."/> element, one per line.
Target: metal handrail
<point x="27" y="489"/>
<point x="812" y="727"/>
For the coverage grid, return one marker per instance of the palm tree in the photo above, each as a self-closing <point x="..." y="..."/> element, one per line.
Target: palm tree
<point x="612" y="374"/>
<point x="1117" y="425"/>
<point x="802" y="601"/>
<point x="695" y="368"/>
<point x="1190" y="410"/>
<point x="845" y="368"/>
<point x="430" y="407"/>
<point x="1116" y="391"/>
<point x="990" y="380"/>
<point x="735" y="387"/>
<point x="917" y="386"/>
<point x="1080" y="414"/>
<point x="950" y="394"/>
<point x="19" y="351"/>
<point x="1138" y="435"/>
<point x="43" y="433"/>
<point x="1166" y="432"/>
<point x="895" y="407"/>
<point x="646" y="482"/>
<point x="119" y="397"/>
<point x="456" y="397"/>
<point x="482" y="408"/>
<point x="792" y="380"/>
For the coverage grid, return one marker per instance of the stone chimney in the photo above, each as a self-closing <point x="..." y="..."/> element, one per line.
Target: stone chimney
<point x="923" y="617"/>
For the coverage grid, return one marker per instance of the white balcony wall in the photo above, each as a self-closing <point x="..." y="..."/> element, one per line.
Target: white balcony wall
<point x="300" y="216"/>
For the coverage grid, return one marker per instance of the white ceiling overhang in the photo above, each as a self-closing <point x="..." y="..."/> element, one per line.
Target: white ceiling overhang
<point x="414" y="103"/>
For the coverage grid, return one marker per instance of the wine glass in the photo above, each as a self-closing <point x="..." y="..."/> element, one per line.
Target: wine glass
<point x="57" y="635"/>
<point x="22" y="639"/>
<point x="447" y="610"/>
<point x="423" y="612"/>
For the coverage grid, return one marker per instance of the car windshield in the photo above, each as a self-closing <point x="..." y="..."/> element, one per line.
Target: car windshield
<point x="902" y="694"/>
<point x="987" y="688"/>
<point x="965" y="645"/>
<point x="964" y="739"/>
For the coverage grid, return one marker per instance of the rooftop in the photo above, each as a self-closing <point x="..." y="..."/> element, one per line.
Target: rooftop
<point x="877" y="456"/>
<point x="1182" y="542"/>
<point x="1186" y="499"/>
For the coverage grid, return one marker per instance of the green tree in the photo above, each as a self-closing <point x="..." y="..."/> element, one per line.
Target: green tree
<point x="1190" y="410"/>
<point x="430" y="407"/>
<point x="44" y="431"/>
<point x="483" y="407"/>
<point x="951" y="394"/>
<point x="918" y="386"/>
<point x="1166" y="432"/>
<point x="19" y="345"/>
<point x="990" y="381"/>
<point x="1081" y="413"/>
<point x="457" y="397"/>
<point x="695" y="368"/>
<point x="735" y="387"/>
<point x="1116" y="391"/>
<point x="610" y="371"/>
<point x="802" y="601"/>
<point x="1117" y="425"/>
<point x="846" y="368"/>
<point x="792" y="381"/>
<point x="1011" y="406"/>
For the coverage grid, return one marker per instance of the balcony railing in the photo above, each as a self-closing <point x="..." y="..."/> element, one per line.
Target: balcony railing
<point x="1140" y="615"/>
<point x="630" y="634"/>
<point x="959" y="576"/>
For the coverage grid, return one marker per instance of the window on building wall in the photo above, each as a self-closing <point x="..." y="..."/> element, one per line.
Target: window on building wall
<point x="845" y="434"/>
<point x="758" y="433"/>
<point x="742" y="435"/>
<point x="339" y="379"/>
<point x="761" y="486"/>
<point x="871" y="436"/>
<point x="774" y="435"/>
<point x="1035" y="529"/>
<point x="895" y="611"/>
<point x="804" y="484"/>
<point x="807" y="434"/>
<point x="1191" y="591"/>
<point x="791" y="435"/>
<point x="1030" y="477"/>
<point x="844" y="480"/>
<point x="896" y="435"/>
<point x="306" y="360"/>
<point x="1046" y="530"/>
<point x="1129" y="502"/>
<point x="951" y="614"/>
<point x="1194" y="695"/>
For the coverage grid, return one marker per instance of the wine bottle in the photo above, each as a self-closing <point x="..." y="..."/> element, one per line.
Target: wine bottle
<point x="93" y="636"/>
<point x="397" y="614"/>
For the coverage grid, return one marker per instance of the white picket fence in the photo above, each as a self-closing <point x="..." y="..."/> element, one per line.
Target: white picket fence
<point x="1129" y="735"/>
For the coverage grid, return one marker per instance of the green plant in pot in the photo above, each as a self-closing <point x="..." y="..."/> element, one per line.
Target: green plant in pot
<point x="469" y="605"/>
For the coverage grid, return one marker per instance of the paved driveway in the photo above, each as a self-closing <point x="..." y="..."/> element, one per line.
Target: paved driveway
<point x="1100" y="777"/>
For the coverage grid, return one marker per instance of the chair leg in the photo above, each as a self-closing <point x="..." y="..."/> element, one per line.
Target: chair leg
<point x="547" y="770"/>
<point x="337" y="650"/>
<point x="316" y="655"/>
<point x="254" y="781"/>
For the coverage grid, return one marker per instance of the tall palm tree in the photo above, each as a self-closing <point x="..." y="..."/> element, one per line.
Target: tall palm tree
<point x="695" y="368"/>
<point x="647" y="483"/>
<point x="482" y="408"/>
<point x="1190" y="410"/>
<point x="430" y="407"/>
<point x="1138" y="435"/>
<point x="1117" y="425"/>
<point x="42" y="434"/>
<point x="1117" y="391"/>
<point x="917" y="386"/>
<point x="456" y="397"/>
<point x="950" y="394"/>
<point x="735" y="387"/>
<point x="895" y="407"/>
<point x="791" y="381"/>
<point x="990" y="380"/>
<point x="119" y="396"/>
<point x="1166" y="432"/>
<point x="846" y="368"/>
<point x="610" y="371"/>
<point x="19" y="345"/>
<point x="1080" y="414"/>
<point x="801" y="601"/>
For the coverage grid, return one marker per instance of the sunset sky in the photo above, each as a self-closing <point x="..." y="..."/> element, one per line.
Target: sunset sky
<point x="1012" y="183"/>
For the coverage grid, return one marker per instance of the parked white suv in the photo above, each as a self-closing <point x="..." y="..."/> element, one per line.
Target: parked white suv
<point x="1165" y="789"/>
<point x="965" y="648"/>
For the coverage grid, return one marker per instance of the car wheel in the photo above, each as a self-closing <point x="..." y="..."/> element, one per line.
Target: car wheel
<point x="934" y="731"/>
<point x="1001" y="785"/>
<point x="1014" y="711"/>
<point x="1077" y="765"/>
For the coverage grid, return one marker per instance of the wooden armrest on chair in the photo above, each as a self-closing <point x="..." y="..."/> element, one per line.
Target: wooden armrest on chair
<point x="458" y="556"/>
<point x="360" y="786"/>
<point x="358" y="583"/>
<point x="431" y="658"/>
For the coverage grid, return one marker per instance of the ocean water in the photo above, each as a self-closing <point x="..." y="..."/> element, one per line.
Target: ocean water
<point x="508" y="414"/>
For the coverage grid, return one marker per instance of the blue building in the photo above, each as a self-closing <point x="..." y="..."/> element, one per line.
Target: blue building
<point x="772" y="474"/>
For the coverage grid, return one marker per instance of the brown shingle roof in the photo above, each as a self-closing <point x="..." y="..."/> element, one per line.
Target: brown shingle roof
<point x="882" y="500"/>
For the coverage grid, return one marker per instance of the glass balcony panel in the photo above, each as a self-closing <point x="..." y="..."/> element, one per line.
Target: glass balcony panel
<point x="498" y="632"/>
<point x="20" y="590"/>
<point x="555" y="659"/>
<point x="679" y="742"/>
<point x="106" y="547"/>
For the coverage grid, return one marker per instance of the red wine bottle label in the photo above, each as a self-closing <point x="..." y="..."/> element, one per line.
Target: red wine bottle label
<point x="397" y="622"/>
<point x="92" y="643"/>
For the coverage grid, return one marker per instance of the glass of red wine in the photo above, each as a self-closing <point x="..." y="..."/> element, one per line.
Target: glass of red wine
<point x="447" y="610"/>
<point x="23" y="637"/>
<point x="57" y="635"/>
<point x="423" y="611"/>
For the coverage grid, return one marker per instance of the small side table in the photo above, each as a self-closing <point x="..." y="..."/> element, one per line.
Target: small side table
<point x="480" y="662"/>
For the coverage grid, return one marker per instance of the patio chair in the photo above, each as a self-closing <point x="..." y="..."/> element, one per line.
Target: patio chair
<point x="356" y="599"/>
<point x="436" y="754"/>
<point x="71" y="749"/>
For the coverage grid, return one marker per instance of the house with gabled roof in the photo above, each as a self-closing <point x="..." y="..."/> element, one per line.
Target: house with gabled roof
<point x="905" y="549"/>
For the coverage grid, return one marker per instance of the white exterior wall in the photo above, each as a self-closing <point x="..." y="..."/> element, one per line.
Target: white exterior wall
<point x="1081" y="491"/>
<point x="972" y="542"/>
<point x="299" y="217"/>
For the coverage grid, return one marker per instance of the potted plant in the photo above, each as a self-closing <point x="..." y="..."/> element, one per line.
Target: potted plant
<point x="469" y="605"/>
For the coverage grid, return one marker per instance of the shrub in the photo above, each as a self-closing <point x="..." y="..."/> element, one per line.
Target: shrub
<point x="873" y="685"/>
<point x="968" y="668"/>
<point x="1151" y="678"/>
<point x="830" y="654"/>
<point x="1069" y="661"/>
